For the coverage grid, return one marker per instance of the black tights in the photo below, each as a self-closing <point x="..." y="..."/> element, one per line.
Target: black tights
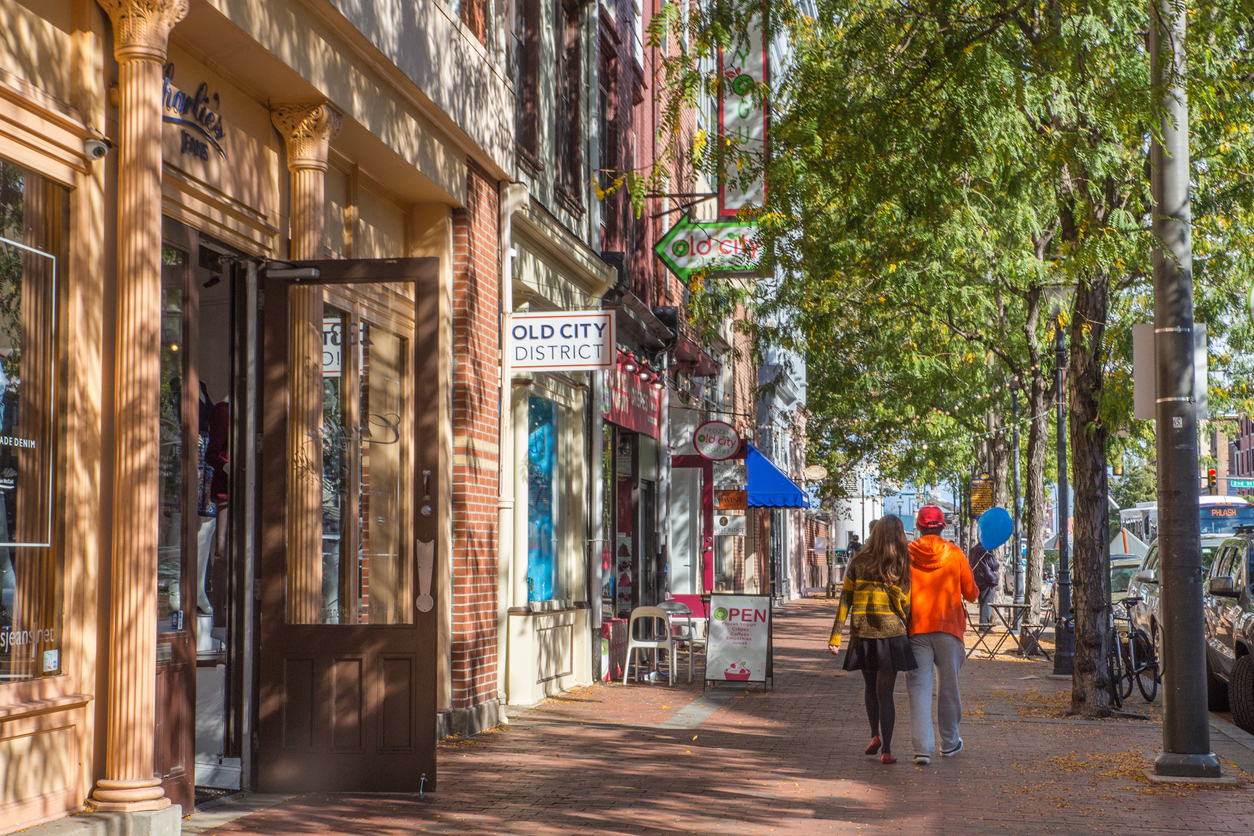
<point x="879" y="704"/>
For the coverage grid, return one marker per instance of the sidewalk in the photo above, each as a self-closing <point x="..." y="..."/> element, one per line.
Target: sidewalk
<point x="645" y="760"/>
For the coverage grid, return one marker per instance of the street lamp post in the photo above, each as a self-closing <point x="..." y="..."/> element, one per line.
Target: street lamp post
<point x="1186" y="727"/>
<point x="1064" y="639"/>
<point x="1016" y="552"/>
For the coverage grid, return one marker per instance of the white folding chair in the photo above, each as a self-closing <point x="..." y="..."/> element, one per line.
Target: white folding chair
<point x="662" y="639"/>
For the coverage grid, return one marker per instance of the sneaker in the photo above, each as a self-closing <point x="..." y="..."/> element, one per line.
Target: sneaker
<point x="922" y="760"/>
<point x="952" y="751"/>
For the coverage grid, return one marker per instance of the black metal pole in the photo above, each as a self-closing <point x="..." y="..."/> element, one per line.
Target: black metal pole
<point x="1186" y="729"/>
<point x="1064" y="638"/>
<point x="1016" y="552"/>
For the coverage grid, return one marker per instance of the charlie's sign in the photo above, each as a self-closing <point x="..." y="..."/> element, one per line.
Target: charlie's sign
<point x="552" y="342"/>
<point x="197" y="117"/>
<point x="716" y="440"/>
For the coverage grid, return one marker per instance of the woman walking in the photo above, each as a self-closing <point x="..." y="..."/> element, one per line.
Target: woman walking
<point x="876" y="597"/>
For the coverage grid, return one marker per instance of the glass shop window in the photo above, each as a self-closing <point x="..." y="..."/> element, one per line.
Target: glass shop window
<point x="541" y="505"/>
<point x="34" y="227"/>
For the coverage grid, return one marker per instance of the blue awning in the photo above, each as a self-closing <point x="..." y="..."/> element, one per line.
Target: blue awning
<point x="770" y="487"/>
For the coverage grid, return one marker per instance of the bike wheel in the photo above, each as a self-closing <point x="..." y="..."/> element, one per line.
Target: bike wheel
<point x="1114" y="670"/>
<point x="1129" y="665"/>
<point x="1146" y="665"/>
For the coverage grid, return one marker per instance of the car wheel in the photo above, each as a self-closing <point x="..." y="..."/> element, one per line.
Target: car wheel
<point x="1241" y="689"/>
<point x="1216" y="691"/>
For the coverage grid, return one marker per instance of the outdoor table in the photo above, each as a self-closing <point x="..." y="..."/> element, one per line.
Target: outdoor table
<point x="1010" y="616"/>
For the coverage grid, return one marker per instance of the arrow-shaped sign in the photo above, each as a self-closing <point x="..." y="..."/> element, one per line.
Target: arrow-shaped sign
<point x="719" y="246"/>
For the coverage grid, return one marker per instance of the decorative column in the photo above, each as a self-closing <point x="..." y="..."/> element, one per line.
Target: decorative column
<point x="140" y="32"/>
<point x="307" y="130"/>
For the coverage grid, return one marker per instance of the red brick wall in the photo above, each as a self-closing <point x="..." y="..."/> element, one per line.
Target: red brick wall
<point x="476" y="398"/>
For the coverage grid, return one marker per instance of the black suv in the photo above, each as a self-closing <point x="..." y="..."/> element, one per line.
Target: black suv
<point x="1228" y="605"/>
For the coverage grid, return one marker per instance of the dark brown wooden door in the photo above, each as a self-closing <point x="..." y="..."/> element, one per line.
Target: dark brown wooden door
<point x="349" y="504"/>
<point x="178" y="520"/>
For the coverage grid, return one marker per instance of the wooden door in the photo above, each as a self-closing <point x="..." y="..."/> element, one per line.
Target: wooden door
<point x="349" y="504"/>
<point x="178" y="520"/>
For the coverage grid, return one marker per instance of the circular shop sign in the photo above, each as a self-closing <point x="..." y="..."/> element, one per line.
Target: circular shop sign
<point x="716" y="440"/>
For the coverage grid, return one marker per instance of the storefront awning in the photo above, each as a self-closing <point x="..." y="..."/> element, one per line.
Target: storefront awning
<point x="770" y="487"/>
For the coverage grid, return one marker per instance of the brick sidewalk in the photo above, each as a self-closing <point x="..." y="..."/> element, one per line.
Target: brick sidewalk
<point x="649" y="759"/>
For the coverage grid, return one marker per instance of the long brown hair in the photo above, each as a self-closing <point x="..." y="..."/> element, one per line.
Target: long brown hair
<point x="886" y="553"/>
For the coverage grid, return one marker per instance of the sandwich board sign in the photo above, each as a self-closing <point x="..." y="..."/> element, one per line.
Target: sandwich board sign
<point x="739" y="647"/>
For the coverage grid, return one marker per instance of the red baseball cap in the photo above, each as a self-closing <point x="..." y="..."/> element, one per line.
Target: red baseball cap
<point x="930" y="516"/>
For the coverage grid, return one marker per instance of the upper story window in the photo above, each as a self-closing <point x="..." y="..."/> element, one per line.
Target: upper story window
<point x="568" y="149"/>
<point x="526" y="69"/>
<point x="637" y="31"/>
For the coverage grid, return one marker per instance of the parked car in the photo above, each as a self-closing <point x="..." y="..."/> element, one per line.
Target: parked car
<point x="1229" y="613"/>
<point x="1145" y="585"/>
<point x="1122" y="569"/>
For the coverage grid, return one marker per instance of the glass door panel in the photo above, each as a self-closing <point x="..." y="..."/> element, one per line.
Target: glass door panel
<point x="171" y="584"/>
<point x="358" y="445"/>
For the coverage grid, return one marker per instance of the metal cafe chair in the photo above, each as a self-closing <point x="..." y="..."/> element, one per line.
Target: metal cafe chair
<point x="662" y="639"/>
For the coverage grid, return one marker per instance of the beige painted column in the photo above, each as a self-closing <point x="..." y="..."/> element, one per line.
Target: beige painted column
<point x="308" y="129"/>
<point x="140" y="32"/>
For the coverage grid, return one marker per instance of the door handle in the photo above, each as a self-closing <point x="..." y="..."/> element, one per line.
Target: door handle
<point x="426" y="565"/>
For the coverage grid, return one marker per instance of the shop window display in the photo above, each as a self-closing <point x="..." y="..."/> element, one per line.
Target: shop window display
<point x="541" y="470"/>
<point x="33" y="233"/>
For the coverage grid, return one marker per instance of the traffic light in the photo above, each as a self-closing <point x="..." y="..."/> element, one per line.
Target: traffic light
<point x="1212" y="482"/>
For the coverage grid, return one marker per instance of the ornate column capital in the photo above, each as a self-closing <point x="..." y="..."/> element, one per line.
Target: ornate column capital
<point x="308" y="129"/>
<point x="141" y="28"/>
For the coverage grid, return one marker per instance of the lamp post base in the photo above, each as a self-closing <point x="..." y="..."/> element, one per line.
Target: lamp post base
<point x="1172" y="766"/>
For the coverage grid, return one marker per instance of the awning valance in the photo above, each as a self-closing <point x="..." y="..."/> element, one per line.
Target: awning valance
<point x="770" y="487"/>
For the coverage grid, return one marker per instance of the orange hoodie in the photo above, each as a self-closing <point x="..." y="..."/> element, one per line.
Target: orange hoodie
<point x="940" y="578"/>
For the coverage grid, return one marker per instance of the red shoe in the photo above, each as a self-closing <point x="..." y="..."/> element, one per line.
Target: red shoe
<point x="887" y="758"/>
<point x="874" y="746"/>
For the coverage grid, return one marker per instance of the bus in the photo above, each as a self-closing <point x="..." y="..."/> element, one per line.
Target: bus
<point x="1217" y="515"/>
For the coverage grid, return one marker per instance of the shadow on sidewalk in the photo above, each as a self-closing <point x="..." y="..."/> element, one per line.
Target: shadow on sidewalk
<point x="787" y="761"/>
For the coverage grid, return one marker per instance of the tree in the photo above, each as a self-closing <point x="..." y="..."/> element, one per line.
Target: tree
<point x="933" y="169"/>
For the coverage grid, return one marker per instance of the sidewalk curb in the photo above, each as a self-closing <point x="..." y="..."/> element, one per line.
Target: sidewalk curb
<point x="1232" y="732"/>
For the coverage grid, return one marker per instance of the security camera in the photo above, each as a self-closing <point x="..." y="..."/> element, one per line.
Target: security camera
<point x="97" y="149"/>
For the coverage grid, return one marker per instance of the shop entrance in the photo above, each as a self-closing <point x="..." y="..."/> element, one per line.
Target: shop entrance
<point x="199" y="685"/>
<point x="349" y="507"/>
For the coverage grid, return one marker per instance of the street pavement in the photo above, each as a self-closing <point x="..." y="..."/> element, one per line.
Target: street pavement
<point x="649" y="759"/>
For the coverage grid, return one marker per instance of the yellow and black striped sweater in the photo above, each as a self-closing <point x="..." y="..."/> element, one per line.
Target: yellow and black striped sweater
<point x="878" y="610"/>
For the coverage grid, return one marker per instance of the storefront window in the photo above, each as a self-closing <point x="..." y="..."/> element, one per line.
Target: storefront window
<point x="170" y="580"/>
<point x="33" y="231"/>
<point x="541" y="470"/>
<point x="624" y="522"/>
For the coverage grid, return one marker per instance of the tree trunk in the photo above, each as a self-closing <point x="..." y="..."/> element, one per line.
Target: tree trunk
<point x="1090" y="696"/>
<point x="999" y="454"/>
<point x="1034" y="522"/>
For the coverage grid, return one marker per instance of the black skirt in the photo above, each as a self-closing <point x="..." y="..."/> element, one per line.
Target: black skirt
<point x="893" y="654"/>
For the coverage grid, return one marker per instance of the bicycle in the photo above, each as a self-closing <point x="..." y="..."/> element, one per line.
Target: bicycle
<point x="1140" y="661"/>
<point x="1129" y="660"/>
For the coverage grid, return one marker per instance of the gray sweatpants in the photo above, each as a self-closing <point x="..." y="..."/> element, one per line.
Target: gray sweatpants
<point x="947" y="653"/>
<point x="986" y="606"/>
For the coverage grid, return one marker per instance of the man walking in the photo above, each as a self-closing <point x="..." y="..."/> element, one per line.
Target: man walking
<point x="985" y="569"/>
<point x="940" y="579"/>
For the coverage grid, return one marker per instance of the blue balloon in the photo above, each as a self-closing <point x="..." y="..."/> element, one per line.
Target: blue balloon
<point x="996" y="526"/>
